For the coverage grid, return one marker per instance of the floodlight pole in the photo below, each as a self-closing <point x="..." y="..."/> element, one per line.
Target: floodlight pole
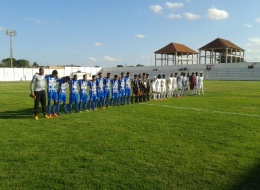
<point x="11" y="33"/>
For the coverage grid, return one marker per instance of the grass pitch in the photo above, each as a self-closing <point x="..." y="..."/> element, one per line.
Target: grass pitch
<point x="210" y="141"/>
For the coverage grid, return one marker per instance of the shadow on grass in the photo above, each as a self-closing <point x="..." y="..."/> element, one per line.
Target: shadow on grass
<point x="250" y="180"/>
<point x="18" y="114"/>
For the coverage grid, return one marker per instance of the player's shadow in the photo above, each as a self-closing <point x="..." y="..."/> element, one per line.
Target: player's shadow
<point x="250" y="180"/>
<point x="18" y="114"/>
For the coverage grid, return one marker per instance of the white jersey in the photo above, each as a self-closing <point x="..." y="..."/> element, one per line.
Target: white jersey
<point x="153" y="84"/>
<point x="170" y="82"/>
<point x="163" y="85"/>
<point x="39" y="83"/>
<point x="185" y="82"/>
<point x="197" y="80"/>
<point x="158" y="85"/>
<point x="200" y="82"/>
<point x="174" y="82"/>
<point x="179" y="82"/>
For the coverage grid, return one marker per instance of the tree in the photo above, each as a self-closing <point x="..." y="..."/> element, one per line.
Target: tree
<point x="139" y="65"/>
<point x="7" y="62"/>
<point x="22" y="63"/>
<point x="119" y="66"/>
<point x="35" y="64"/>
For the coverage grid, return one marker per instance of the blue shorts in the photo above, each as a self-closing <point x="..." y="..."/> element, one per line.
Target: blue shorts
<point x="127" y="92"/>
<point x="83" y="97"/>
<point x="93" y="97"/>
<point x="100" y="94"/>
<point x="115" y="95"/>
<point x="74" y="98"/>
<point x="52" y="95"/>
<point x="62" y="97"/>
<point x="122" y="92"/>
<point x="107" y="94"/>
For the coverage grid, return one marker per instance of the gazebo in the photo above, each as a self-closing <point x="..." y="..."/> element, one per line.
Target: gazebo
<point x="176" y="54"/>
<point x="221" y="51"/>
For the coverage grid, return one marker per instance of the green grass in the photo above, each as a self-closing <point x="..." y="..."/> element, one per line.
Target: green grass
<point x="200" y="142"/>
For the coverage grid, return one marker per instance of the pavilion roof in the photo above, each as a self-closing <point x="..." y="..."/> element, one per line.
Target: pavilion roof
<point x="220" y="43"/>
<point x="173" y="48"/>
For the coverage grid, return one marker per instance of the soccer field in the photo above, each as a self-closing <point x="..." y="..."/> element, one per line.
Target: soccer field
<point x="211" y="141"/>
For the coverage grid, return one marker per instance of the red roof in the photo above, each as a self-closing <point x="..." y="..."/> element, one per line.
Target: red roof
<point x="220" y="44"/>
<point x="173" y="48"/>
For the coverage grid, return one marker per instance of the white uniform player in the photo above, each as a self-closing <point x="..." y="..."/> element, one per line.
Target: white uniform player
<point x="153" y="87"/>
<point x="184" y="84"/>
<point x="163" y="85"/>
<point x="158" y="87"/>
<point x="170" y="86"/>
<point x="179" y="84"/>
<point x="200" y="84"/>
<point x="196" y="83"/>
<point x="174" y="85"/>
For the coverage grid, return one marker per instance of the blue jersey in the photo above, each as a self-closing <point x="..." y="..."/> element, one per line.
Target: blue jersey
<point x="83" y="84"/>
<point x="74" y="86"/>
<point x="115" y="86"/>
<point x="100" y="84"/>
<point x="121" y="83"/>
<point x="107" y="84"/>
<point x="92" y="88"/>
<point x="127" y="83"/>
<point x="62" y="86"/>
<point x="51" y="83"/>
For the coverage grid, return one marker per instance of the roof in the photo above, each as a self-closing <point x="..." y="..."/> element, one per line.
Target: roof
<point x="220" y="44"/>
<point x="173" y="48"/>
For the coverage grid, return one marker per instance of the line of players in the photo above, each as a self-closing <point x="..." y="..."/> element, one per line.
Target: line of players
<point x="107" y="91"/>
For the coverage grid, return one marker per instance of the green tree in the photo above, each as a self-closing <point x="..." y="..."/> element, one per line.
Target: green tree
<point x="7" y="62"/>
<point x="119" y="66"/>
<point x="22" y="63"/>
<point x="35" y="64"/>
<point x="139" y="65"/>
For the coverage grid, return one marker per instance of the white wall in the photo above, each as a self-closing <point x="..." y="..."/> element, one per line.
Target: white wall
<point x="18" y="74"/>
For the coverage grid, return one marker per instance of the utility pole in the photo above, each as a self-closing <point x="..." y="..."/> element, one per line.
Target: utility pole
<point x="11" y="33"/>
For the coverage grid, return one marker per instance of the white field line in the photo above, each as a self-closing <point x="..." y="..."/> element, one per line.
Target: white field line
<point x="27" y="91"/>
<point x="204" y="110"/>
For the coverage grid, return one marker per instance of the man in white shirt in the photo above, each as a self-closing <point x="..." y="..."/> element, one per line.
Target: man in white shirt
<point x="200" y="84"/>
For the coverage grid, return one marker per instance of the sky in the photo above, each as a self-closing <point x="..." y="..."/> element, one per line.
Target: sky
<point x="108" y="33"/>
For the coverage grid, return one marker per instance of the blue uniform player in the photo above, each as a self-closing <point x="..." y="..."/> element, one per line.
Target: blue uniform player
<point x="93" y="92"/>
<point x="115" y="90"/>
<point x="52" y="92"/>
<point x="100" y="90"/>
<point x="74" y="92"/>
<point x="127" y="87"/>
<point x="83" y="84"/>
<point x="62" y="93"/>
<point x="122" y="88"/>
<point x="107" y="86"/>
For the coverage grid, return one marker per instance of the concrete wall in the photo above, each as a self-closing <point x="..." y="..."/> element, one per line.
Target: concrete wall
<point x="18" y="74"/>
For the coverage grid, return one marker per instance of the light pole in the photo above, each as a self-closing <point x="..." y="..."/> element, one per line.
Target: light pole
<point x="11" y="33"/>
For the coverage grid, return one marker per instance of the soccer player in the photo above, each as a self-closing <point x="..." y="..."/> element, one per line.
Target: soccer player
<point x="170" y="85"/>
<point x="122" y="88"/>
<point x="37" y="87"/>
<point x="192" y="81"/>
<point x="100" y="91"/>
<point x="174" y="84"/>
<point x="179" y="84"/>
<point x="196" y="83"/>
<point x="107" y="86"/>
<point x="163" y="87"/>
<point x="184" y="84"/>
<point x="135" y="88"/>
<point x="158" y="86"/>
<point x="115" y="90"/>
<point x="93" y="92"/>
<point x="127" y="87"/>
<point x="83" y="86"/>
<point x="144" y="87"/>
<point x="141" y="87"/>
<point x="62" y="93"/>
<point x="52" y="92"/>
<point x="148" y="97"/>
<point x="153" y="87"/>
<point x="74" y="92"/>
<point x="200" y="84"/>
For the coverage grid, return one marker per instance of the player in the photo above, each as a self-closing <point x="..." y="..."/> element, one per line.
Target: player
<point x="184" y="84"/>
<point x="127" y="88"/>
<point x="37" y="87"/>
<point x="158" y="86"/>
<point x="144" y="87"/>
<point x="93" y="92"/>
<point x="135" y="89"/>
<point x="200" y="84"/>
<point x="170" y="85"/>
<point x="74" y="93"/>
<point x="179" y="84"/>
<point x="148" y="97"/>
<point x="141" y="87"/>
<point x="153" y="87"/>
<point x="62" y="93"/>
<point x="174" y="85"/>
<point x="196" y="88"/>
<point x="100" y="91"/>
<point x="115" y="90"/>
<point x="121" y="82"/>
<point x="192" y="81"/>
<point x="52" y="93"/>
<point x="107" y="86"/>
<point x="83" y="86"/>
<point x="163" y="87"/>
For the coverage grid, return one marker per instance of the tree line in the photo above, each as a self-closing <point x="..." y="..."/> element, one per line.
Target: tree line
<point x="17" y="63"/>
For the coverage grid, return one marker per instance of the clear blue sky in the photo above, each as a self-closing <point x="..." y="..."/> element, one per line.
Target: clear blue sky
<point x="112" y="32"/>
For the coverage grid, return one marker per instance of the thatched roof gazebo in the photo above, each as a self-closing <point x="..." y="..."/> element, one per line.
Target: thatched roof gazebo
<point x="221" y="51"/>
<point x="176" y="54"/>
